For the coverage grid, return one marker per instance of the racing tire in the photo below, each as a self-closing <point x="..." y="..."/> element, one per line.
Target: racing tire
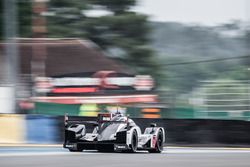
<point x="134" y="142"/>
<point x="159" y="143"/>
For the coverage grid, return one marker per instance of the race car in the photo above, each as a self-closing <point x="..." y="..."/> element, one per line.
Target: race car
<point x="112" y="133"/>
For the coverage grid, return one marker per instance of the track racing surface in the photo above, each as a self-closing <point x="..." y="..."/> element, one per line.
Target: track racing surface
<point x="52" y="156"/>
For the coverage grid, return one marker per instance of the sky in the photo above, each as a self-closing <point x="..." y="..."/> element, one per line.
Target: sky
<point x="205" y="12"/>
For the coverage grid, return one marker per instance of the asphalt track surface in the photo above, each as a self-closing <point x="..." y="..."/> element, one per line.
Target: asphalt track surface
<point x="55" y="156"/>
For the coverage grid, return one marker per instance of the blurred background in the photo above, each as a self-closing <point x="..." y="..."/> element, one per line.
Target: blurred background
<point x="182" y="61"/>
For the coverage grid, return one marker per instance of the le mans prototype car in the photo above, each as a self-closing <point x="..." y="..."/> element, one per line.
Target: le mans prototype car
<point x="112" y="132"/>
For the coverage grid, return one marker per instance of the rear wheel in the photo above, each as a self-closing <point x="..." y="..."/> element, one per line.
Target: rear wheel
<point x="134" y="142"/>
<point x="77" y="148"/>
<point x="159" y="143"/>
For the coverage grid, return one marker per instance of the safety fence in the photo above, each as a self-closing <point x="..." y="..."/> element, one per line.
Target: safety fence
<point x="49" y="129"/>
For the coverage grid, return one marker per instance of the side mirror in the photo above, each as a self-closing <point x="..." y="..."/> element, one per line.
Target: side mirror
<point x="153" y="125"/>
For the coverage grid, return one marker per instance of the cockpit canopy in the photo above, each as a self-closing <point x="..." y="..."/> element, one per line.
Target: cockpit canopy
<point x="115" y="118"/>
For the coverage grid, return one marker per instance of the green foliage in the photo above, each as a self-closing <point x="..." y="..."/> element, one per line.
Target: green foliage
<point x="24" y="18"/>
<point x="116" y="6"/>
<point x="77" y="4"/>
<point x="177" y="43"/>
<point x="134" y="37"/>
<point x="66" y="18"/>
<point x="123" y="29"/>
<point x="127" y="26"/>
<point x="192" y="41"/>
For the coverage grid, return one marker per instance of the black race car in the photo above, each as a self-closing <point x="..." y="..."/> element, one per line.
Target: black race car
<point x="112" y="132"/>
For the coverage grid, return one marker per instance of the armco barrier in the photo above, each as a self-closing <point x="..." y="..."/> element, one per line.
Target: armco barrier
<point x="42" y="129"/>
<point x="12" y="128"/>
<point x="193" y="131"/>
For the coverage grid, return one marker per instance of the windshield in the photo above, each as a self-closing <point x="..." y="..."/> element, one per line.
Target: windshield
<point x="107" y="129"/>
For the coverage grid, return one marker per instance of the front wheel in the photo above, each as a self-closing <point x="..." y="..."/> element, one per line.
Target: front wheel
<point x="134" y="142"/>
<point x="159" y="143"/>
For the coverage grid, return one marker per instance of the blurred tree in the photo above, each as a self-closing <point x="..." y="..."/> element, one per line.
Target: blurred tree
<point x="121" y="32"/>
<point x="65" y="18"/>
<point x="24" y="18"/>
<point x="117" y="7"/>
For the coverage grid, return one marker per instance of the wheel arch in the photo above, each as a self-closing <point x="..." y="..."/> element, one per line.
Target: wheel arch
<point x="130" y="132"/>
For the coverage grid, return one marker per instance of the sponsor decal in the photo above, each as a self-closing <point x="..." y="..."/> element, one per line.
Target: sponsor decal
<point x="69" y="146"/>
<point x="121" y="147"/>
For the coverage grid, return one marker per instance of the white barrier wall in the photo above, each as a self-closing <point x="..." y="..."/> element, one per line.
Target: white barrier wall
<point x="7" y="95"/>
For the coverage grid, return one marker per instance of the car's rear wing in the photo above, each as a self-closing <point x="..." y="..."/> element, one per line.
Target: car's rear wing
<point x="107" y="117"/>
<point x="67" y="121"/>
<point x="101" y="118"/>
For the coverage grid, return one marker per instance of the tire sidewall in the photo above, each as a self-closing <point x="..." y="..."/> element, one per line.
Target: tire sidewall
<point x="134" y="144"/>
<point x="159" y="147"/>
